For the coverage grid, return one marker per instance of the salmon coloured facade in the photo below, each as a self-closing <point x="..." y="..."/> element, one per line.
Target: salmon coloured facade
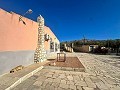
<point x="18" y="41"/>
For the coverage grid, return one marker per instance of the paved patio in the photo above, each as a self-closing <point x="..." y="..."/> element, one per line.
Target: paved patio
<point x="98" y="66"/>
<point x="48" y="79"/>
<point x="91" y="79"/>
<point x="98" y="75"/>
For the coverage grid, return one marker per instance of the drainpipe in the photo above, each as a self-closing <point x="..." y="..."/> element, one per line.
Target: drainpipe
<point x="54" y="44"/>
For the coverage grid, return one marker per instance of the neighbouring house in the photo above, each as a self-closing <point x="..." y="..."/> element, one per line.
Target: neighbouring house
<point x="18" y="41"/>
<point x="86" y="48"/>
<point x="68" y="48"/>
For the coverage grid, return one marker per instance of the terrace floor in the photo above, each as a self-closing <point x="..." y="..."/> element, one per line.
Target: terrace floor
<point x="98" y="74"/>
<point x="71" y="63"/>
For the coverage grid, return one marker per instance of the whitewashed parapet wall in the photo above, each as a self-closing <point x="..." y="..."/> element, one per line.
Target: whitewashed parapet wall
<point x="69" y="49"/>
<point x="40" y="53"/>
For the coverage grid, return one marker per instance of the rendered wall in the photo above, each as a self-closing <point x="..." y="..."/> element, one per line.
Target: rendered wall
<point x="85" y="48"/>
<point x="18" y="41"/>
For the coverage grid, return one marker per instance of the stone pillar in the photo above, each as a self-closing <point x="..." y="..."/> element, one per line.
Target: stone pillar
<point x="40" y="53"/>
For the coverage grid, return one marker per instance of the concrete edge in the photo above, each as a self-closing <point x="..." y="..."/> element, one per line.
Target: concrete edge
<point x="64" y="68"/>
<point x="24" y="78"/>
<point x="3" y="74"/>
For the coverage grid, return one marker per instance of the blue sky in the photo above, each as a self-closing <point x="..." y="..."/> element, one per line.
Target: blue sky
<point x="71" y="19"/>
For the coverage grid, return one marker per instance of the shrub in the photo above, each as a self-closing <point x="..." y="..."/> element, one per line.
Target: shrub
<point x="100" y="51"/>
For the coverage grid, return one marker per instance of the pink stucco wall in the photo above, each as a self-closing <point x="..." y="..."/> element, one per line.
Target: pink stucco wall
<point x="14" y="35"/>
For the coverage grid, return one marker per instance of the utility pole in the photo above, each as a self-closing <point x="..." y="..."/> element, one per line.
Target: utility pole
<point x="83" y="40"/>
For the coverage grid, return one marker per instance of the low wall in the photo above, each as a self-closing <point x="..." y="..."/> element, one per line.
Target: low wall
<point x="11" y="59"/>
<point x="81" y="49"/>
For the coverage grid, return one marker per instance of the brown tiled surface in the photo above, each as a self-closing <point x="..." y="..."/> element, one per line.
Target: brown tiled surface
<point x="72" y="62"/>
